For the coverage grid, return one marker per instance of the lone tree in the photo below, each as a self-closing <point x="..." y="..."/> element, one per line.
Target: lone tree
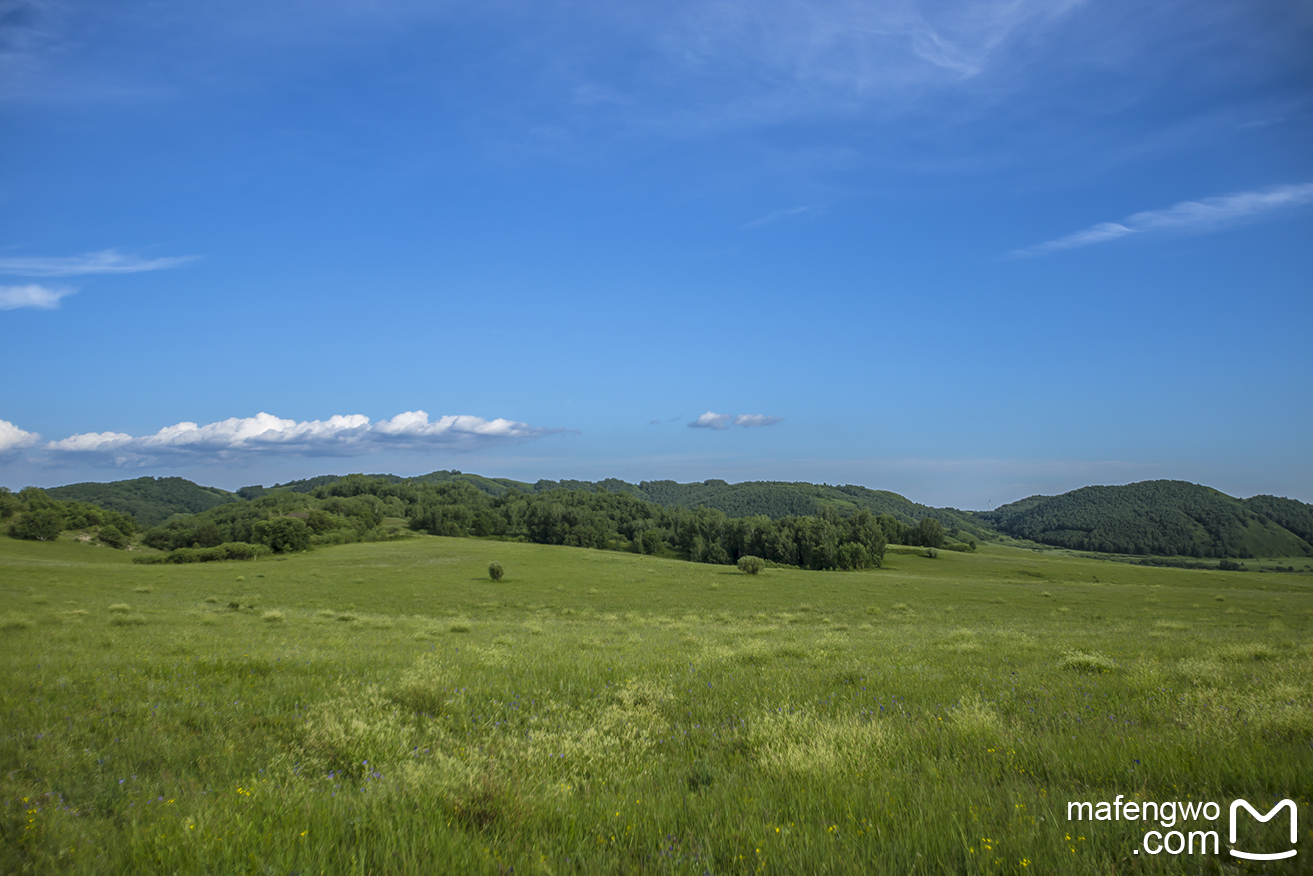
<point x="495" y="571"/>
<point x="751" y="565"/>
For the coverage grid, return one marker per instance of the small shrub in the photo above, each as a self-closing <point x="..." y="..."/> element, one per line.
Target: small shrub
<point x="113" y="536"/>
<point x="272" y="617"/>
<point x="143" y="589"/>
<point x="932" y="553"/>
<point x="460" y="627"/>
<point x="212" y="600"/>
<point x="751" y="565"/>
<point x="495" y="571"/>
<point x="346" y="617"/>
<point x="128" y="620"/>
<point x="120" y="608"/>
<point x="1079" y="661"/>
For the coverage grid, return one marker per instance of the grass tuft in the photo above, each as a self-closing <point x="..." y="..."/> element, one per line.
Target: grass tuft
<point x="1081" y="661"/>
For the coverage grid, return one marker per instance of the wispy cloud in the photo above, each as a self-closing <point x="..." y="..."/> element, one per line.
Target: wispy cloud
<point x="751" y="420"/>
<point x="776" y="216"/>
<point x="32" y="295"/>
<point x="105" y="261"/>
<point x="13" y="438"/>
<point x="265" y="434"/>
<point x="713" y="420"/>
<point x="1209" y="214"/>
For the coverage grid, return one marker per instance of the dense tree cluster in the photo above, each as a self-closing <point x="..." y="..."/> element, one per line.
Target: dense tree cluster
<point x="33" y="514"/>
<point x="282" y="522"/>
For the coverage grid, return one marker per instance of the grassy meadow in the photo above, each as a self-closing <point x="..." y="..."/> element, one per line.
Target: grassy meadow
<point x="386" y="708"/>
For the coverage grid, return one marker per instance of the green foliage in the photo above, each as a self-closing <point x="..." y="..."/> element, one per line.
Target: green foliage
<point x="495" y="571"/>
<point x="111" y="536"/>
<point x="928" y="532"/>
<point x="9" y="503"/>
<point x="282" y="534"/>
<point x="751" y="565"/>
<point x="43" y="524"/>
<point x="232" y="550"/>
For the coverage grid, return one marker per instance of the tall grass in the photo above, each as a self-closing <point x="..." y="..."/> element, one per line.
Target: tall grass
<point x="388" y="709"/>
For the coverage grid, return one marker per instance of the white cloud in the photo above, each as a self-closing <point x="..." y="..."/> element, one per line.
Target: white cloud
<point x="1209" y="214"/>
<point x="13" y="438"/>
<point x="710" y="420"/>
<point x="105" y="261"/>
<point x="32" y="295"/>
<point x="748" y="420"/>
<point x="264" y="434"/>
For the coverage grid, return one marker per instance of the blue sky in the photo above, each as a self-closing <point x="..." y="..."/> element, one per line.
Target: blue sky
<point x="966" y="251"/>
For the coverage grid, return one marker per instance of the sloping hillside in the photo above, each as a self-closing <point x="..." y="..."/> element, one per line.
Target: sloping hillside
<point x="1168" y="518"/>
<point x="150" y="500"/>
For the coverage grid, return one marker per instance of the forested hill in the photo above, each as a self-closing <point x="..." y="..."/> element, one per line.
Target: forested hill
<point x="777" y="499"/>
<point x="1168" y="518"/>
<point x="150" y="500"/>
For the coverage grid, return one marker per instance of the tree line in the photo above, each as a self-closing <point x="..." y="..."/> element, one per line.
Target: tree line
<point x="357" y="507"/>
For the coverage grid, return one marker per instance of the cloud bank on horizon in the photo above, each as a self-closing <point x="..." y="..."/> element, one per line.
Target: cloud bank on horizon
<point x="265" y="434"/>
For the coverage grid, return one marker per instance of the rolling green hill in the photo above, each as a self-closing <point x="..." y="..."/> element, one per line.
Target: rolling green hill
<point x="1166" y="518"/>
<point x="150" y="500"/>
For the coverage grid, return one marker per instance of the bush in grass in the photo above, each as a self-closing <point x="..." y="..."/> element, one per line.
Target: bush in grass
<point x="230" y="550"/>
<point x="120" y="608"/>
<point x="1079" y="661"/>
<point x="272" y="617"/>
<point x="112" y="536"/>
<point x="751" y="565"/>
<point x="495" y="571"/>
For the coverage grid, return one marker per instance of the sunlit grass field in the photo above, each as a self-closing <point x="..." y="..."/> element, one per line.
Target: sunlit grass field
<point x="386" y="708"/>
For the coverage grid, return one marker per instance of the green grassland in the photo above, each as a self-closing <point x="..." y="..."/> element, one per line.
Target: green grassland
<point x="386" y="708"/>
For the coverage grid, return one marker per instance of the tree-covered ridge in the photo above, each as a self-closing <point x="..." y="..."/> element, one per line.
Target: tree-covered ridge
<point x="773" y="499"/>
<point x="150" y="500"/>
<point x="1169" y="518"/>
<point x="356" y="507"/>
